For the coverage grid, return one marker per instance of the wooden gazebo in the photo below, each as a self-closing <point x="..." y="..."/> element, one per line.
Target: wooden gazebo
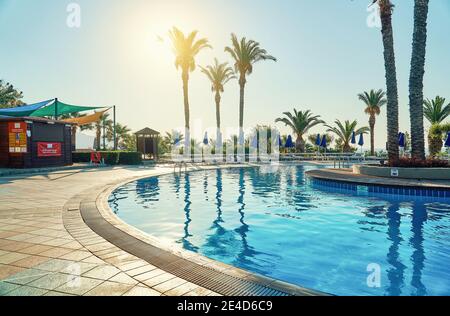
<point x="147" y="143"/>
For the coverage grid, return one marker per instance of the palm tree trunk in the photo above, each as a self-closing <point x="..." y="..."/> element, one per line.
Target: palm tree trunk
<point x="218" y="98"/>
<point x="391" y="83"/>
<point x="372" y="121"/>
<point x="98" y="135"/>
<point x="416" y="78"/>
<point x="300" y="144"/>
<point x="242" y="82"/>
<point x="187" y="138"/>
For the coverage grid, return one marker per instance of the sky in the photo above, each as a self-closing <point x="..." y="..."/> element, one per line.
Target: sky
<point x="327" y="54"/>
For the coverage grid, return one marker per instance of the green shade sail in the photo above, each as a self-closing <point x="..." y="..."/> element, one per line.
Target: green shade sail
<point x="49" y="108"/>
<point x="58" y="108"/>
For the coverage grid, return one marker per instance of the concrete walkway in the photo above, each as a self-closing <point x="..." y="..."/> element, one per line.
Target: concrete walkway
<point x="38" y="255"/>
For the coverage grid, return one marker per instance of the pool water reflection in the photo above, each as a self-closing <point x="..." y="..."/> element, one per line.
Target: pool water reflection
<point x="280" y="225"/>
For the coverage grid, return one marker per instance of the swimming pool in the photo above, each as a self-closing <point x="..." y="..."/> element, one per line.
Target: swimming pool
<point x="281" y="225"/>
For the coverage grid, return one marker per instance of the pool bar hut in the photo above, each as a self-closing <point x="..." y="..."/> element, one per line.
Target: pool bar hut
<point x="33" y="136"/>
<point x="147" y="143"/>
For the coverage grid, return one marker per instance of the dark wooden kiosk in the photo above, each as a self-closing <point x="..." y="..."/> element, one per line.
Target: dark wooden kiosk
<point x="147" y="143"/>
<point x="30" y="142"/>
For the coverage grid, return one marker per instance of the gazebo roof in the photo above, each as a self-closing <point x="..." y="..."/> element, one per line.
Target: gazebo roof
<point x="147" y="131"/>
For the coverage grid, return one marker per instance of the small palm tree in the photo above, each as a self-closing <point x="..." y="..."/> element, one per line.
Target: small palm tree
<point x="186" y="48"/>
<point x="245" y="54"/>
<point x="373" y="100"/>
<point x="219" y="75"/>
<point x="122" y="132"/>
<point x="435" y="111"/>
<point x="300" y="122"/>
<point x="345" y="131"/>
<point x="104" y="126"/>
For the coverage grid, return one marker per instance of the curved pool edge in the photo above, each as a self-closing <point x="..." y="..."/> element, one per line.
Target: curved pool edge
<point x="211" y="274"/>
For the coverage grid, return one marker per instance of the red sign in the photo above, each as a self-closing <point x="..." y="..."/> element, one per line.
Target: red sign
<point x="17" y="137"/>
<point x="49" y="150"/>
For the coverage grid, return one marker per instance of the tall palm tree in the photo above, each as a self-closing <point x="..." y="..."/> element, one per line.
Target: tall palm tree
<point x="300" y="122"/>
<point x="245" y="54"/>
<point x="186" y="48"/>
<point x="435" y="111"/>
<point x="416" y="78"/>
<point x="219" y="75"/>
<point x="386" y="9"/>
<point x="373" y="100"/>
<point x="345" y="131"/>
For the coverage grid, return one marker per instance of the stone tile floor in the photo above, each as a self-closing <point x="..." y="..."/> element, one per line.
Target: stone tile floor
<point x="38" y="255"/>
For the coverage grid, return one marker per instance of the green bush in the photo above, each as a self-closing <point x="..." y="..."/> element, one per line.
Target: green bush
<point x="111" y="158"/>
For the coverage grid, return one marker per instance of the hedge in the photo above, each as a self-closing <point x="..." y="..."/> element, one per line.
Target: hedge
<point x="111" y="157"/>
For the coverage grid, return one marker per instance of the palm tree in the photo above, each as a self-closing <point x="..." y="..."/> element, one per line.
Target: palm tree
<point x="122" y="131"/>
<point x="345" y="131"/>
<point x="219" y="75"/>
<point x="386" y="8"/>
<point x="416" y="78"/>
<point x="373" y="100"/>
<point x="103" y="125"/>
<point x="186" y="48"/>
<point x="435" y="111"/>
<point x="245" y="53"/>
<point x="300" y="122"/>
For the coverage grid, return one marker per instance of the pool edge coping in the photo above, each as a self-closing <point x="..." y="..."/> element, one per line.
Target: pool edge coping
<point x="101" y="203"/>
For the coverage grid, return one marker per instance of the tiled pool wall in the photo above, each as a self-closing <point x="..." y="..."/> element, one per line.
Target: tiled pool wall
<point x="362" y="189"/>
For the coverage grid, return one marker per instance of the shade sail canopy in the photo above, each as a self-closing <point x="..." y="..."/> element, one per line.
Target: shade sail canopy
<point x="26" y="110"/>
<point x="58" y="108"/>
<point x="86" y="120"/>
<point x="46" y="108"/>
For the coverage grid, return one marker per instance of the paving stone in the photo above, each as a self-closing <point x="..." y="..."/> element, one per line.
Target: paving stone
<point x="142" y="291"/>
<point x="26" y="276"/>
<point x="7" y="287"/>
<point x="12" y="257"/>
<point x="123" y="278"/>
<point x="51" y="281"/>
<point x="30" y="261"/>
<point x="109" y="289"/>
<point x="158" y="279"/>
<point x="7" y="270"/>
<point x="80" y="287"/>
<point x="27" y="291"/>
<point x="102" y="272"/>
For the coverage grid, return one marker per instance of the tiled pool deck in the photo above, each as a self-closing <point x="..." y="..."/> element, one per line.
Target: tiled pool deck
<point x="38" y="255"/>
<point x="47" y="248"/>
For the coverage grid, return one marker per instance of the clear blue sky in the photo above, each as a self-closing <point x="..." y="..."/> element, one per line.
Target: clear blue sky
<point x="327" y="54"/>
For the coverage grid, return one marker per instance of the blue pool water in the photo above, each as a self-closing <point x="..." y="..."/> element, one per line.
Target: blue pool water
<point x="283" y="226"/>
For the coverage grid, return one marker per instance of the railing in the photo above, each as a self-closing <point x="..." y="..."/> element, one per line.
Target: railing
<point x="339" y="160"/>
